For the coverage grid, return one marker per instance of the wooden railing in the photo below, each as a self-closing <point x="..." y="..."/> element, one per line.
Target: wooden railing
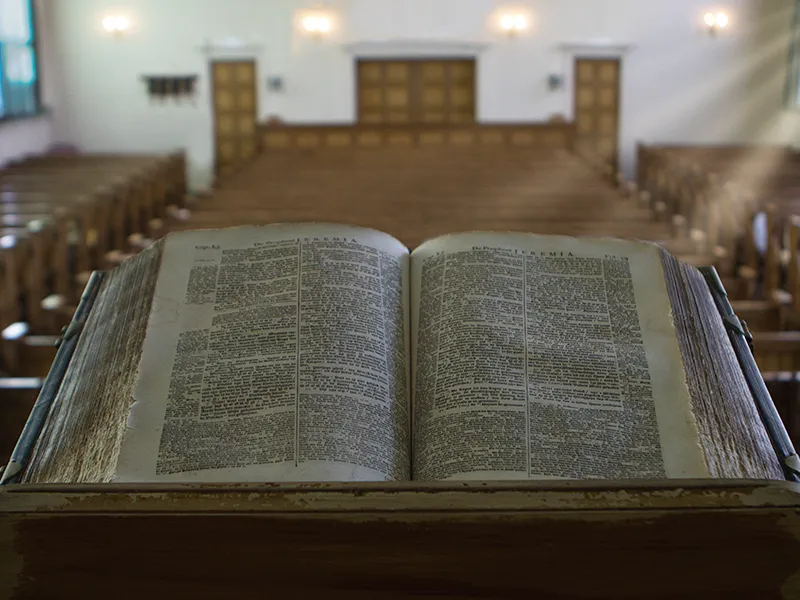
<point x="546" y="136"/>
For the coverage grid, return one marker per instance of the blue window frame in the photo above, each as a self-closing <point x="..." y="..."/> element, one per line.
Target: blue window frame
<point x="19" y="85"/>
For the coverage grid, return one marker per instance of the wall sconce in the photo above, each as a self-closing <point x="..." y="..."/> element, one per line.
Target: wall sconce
<point x="275" y="83"/>
<point x="716" y="22"/>
<point x="317" y="25"/>
<point x="116" y="25"/>
<point x="555" y="82"/>
<point x="512" y="24"/>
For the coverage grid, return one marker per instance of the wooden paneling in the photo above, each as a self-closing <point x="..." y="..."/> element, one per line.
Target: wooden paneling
<point x="578" y="539"/>
<point x="235" y="126"/>
<point x="597" y="84"/>
<point x="416" y="91"/>
<point x="543" y="136"/>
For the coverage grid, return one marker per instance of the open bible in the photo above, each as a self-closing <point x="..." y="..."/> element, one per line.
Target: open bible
<point x="314" y="352"/>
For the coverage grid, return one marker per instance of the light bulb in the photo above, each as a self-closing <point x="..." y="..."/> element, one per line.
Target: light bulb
<point x="520" y="22"/>
<point x="722" y="20"/>
<point x="507" y="22"/>
<point x="122" y="23"/>
<point x="710" y="19"/>
<point x="323" y="24"/>
<point x="110" y="23"/>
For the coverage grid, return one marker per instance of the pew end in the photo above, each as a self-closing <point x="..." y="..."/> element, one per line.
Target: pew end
<point x="777" y="350"/>
<point x="58" y="312"/>
<point x="157" y="228"/>
<point x="115" y="258"/>
<point x="784" y="388"/>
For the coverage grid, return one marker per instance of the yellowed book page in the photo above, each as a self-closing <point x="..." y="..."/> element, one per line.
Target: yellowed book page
<point x="541" y="357"/>
<point x="274" y="353"/>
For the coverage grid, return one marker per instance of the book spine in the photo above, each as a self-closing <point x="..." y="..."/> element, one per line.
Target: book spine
<point x="44" y="402"/>
<point x="742" y="341"/>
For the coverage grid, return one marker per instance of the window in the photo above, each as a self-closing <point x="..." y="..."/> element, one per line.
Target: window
<point x="19" y="94"/>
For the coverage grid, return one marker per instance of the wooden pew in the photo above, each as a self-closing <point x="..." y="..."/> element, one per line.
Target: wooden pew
<point x="83" y="216"/>
<point x="141" y="187"/>
<point x="784" y="387"/>
<point x="421" y="194"/>
<point x="61" y="217"/>
<point x="167" y="171"/>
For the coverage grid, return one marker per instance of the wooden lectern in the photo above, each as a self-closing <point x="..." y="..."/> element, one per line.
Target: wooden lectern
<point x="702" y="539"/>
<point x="666" y="539"/>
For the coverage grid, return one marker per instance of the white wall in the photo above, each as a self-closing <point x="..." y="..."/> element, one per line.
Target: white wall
<point x="679" y="84"/>
<point x="28" y="136"/>
<point x="767" y="83"/>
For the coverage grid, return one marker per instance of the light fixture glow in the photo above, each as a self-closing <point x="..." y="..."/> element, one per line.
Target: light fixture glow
<point x="715" y="21"/>
<point x="317" y="24"/>
<point x="310" y="24"/>
<point x="513" y="23"/>
<point x="323" y="24"/>
<point x="116" y="24"/>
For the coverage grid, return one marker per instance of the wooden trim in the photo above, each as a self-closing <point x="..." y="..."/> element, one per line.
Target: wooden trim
<point x="544" y="136"/>
<point x="417" y="497"/>
<point x="35" y="42"/>
<point x="364" y="541"/>
<point x="415" y="49"/>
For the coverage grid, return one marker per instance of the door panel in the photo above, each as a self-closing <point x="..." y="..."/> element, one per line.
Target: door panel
<point x="597" y="100"/>
<point x="416" y="91"/>
<point x="234" y="112"/>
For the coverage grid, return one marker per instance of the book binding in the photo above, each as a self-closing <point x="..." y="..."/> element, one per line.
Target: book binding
<point x="44" y="402"/>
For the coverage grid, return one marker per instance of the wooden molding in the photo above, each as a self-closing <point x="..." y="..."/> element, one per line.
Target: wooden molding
<point x="597" y="48"/>
<point x="231" y="48"/>
<point x="546" y="136"/>
<point x="415" y="48"/>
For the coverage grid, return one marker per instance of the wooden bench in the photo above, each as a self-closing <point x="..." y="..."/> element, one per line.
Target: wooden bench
<point x="62" y="215"/>
<point x="416" y="195"/>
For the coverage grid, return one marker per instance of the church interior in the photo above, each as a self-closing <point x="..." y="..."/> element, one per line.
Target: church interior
<point x="674" y="122"/>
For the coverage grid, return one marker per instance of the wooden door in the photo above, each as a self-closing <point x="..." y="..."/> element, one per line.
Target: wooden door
<point x="234" y="91"/>
<point x="384" y="91"/>
<point x="597" y="85"/>
<point x="416" y="91"/>
<point x="447" y="91"/>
